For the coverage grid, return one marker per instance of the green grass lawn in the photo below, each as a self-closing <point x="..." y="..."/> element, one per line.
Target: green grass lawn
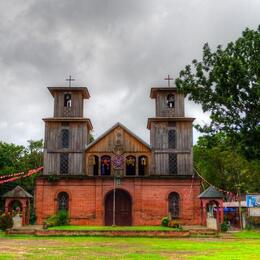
<point x="242" y="246"/>
<point x="140" y="228"/>
<point x="248" y="234"/>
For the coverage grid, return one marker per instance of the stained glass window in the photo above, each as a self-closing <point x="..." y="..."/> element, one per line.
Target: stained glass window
<point x="174" y="205"/>
<point x="105" y="165"/>
<point x="65" y="138"/>
<point x="63" y="201"/>
<point x="172" y="138"/>
<point x="130" y="165"/>
<point x="173" y="164"/>
<point x="64" y="163"/>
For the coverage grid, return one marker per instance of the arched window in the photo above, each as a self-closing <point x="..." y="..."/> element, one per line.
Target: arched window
<point x="170" y="100"/>
<point x="142" y="165"/>
<point x="172" y="138"/>
<point x="174" y="205"/>
<point x="67" y="100"/>
<point x="65" y="138"/>
<point x="105" y="165"/>
<point x="130" y="165"/>
<point x="63" y="201"/>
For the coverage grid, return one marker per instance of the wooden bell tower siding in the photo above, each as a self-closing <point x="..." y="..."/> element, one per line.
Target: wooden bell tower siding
<point x="156" y="179"/>
<point x="170" y="133"/>
<point x="68" y="120"/>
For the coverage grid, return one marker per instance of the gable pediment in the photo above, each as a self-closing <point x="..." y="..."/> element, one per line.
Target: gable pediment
<point x="118" y="139"/>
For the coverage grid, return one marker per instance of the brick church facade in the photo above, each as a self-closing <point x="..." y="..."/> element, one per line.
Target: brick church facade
<point x="118" y="178"/>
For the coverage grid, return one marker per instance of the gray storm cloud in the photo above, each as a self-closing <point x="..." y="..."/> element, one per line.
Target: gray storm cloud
<point x="118" y="49"/>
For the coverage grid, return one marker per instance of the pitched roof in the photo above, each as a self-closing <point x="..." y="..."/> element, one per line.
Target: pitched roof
<point x="211" y="192"/>
<point x="111" y="129"/>
<point x="17" y="192"/>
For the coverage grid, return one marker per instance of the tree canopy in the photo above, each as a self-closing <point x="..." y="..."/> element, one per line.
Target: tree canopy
<point x="227" y="84"/>
<point x="222" y="166"/>
<point x="17" y="158"/>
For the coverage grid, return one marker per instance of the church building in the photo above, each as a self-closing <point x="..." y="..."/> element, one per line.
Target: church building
<point x="118" y="179"/>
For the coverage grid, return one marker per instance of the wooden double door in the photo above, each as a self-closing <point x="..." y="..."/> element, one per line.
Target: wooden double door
<point x="123" y="208"/>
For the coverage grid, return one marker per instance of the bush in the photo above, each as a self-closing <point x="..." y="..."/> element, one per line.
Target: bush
<point x="224" y="227"/>
<point x="6" y="221"/>
<point x="165" y="221"/>
<point x="59" y="219"/>
<point x="63" y="218"/>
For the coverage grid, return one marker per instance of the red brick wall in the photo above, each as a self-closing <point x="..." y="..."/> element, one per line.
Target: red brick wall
<point x="149" y="199"/>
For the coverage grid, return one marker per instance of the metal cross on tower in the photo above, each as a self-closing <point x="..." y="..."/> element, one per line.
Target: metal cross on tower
<point x="169" y="80"/>
<point x="69" y="80"/>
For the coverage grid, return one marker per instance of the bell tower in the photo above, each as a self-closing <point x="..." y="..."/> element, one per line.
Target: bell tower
<point x="67" y="132"/>
<point x="170" y="134"/>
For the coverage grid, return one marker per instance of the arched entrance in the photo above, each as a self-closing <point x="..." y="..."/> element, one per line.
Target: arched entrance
<point x="123" y="208"/>
<point x="14" y="205"/>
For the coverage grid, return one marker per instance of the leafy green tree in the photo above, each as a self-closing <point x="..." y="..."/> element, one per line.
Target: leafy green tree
<point x="17" y="158"/>
<point x="227" y="84"/>
<point x="217" y="161"/>
<point x="11" y="156"/>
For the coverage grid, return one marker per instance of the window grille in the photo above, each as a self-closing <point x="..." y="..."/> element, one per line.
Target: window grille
<point x="174" y="205"/>
<point x="63" y="201"/>
<point x="64" y="163"/>
<point x="172" y="139"/>
<point x="173" y="164"/>
<point x="65" y="138"/>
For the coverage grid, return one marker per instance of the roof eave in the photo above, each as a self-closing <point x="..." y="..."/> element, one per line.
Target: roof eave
<point x="84" y="90"/>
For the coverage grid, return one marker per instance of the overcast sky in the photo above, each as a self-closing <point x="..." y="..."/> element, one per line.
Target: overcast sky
<point x="116" y="48"/>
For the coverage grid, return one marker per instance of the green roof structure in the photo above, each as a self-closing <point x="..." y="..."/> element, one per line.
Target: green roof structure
<point x="17" y="192"/>
<point x="211" y="192"/>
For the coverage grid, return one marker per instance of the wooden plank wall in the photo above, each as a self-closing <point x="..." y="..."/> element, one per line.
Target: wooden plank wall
<point x="184" y="135"/>
<point x="77" y="141"/>
<point x="162" y="110"/>
<point x="159" y="143"/>
<point x="52" y="163"/>
<point x="76" y="109"/>
<point x="129" y="143"/>
<point x="130" y="146"/>
<point x="77" y="136"/>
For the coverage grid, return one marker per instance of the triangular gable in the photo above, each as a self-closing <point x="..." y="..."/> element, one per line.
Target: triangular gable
<point x="107" y="137"/>
<point x="17" y="192"/>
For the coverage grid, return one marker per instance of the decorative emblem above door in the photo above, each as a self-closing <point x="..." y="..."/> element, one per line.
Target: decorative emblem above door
<point x="118" y="161"/>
